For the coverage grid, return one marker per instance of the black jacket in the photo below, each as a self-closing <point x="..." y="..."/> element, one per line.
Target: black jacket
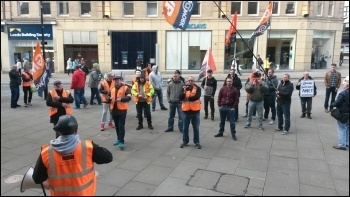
<point x="298" y="86"/>
<point x="15" y="78"/>
<point x="285" y="92"/>
<point x="60" y="109"/>
<point x="271" y="83"/>
<point x="212" y="82"/>
<point x="342" y="102"/>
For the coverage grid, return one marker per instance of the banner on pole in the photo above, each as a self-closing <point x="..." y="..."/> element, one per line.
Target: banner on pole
<point x="178" y="13"/>
<point x="208" y="63"/>
<point x="40" y="75"/>
<point x="265" y="23"/>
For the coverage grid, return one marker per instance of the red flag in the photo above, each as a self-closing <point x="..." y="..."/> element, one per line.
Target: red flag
<point x="231" y="31"/>
<point x="208" y="63"/>
<point x="265" y="22"/>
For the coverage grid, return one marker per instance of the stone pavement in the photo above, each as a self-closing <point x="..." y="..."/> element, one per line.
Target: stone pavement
<point x="152" y="164"/>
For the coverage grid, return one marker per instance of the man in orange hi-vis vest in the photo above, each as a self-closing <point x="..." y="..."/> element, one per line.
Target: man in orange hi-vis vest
<point x="66" y="165"/>
<point x="59" y="101"/>
<point x="191" y="106"/>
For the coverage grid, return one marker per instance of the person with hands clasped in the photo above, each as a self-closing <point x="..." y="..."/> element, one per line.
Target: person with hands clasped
<point x="120" y="95"/>
<point x="228" y="99"/>
<point x="284" y="99"/>
<point x="59" y="101"/>
<point x="143" y="91"/>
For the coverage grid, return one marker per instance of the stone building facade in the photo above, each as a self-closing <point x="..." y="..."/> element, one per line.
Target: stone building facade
<point x="303" y="35"/>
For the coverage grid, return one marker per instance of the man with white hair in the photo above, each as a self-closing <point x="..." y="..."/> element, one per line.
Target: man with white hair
<point x="342" y="103"/>
<point x="306" y="102"/>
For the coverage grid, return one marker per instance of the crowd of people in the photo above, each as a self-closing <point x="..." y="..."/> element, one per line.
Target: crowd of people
<point x="264" y="94"/>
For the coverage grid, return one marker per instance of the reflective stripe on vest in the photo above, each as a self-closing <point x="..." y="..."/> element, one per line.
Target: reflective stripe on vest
<point x="191" y="105"/>
<point x="146" y="90"/>
<point x="26" y="83"/>
<point x="106" y="87"/>
<point x="120" y="94"/>
<point x="71" y="174"/>
<point x="65" y="94"/>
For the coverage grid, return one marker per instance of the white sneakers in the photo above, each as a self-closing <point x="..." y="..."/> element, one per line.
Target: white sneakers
<point x="271" y="122"/>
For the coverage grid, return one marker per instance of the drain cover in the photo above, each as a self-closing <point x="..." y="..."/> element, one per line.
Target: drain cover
<point x="14" y="179"/>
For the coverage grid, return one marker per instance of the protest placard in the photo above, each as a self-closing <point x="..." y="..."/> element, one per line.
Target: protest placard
<point x="307" y="88"/>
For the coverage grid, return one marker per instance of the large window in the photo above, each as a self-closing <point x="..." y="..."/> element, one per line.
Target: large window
<point x="23" y="7"/>
<point x="185" y="50"/>
<point x="46" y="7"/>
<point x="346" y="11"/>
<point x="320" y="8"/>
<point x="63" y="8"/>
<point x="85" y="8"/>
<point x="275" y="8"/>
<point x="197" y="9"/>
<point x="330" y="8"/>
<point x="252" y="7"/>
<point x="152" y="8"/>
<point x="128" y="8"/>
<point x="290" y="7"/>
<point x="236" y="6"/>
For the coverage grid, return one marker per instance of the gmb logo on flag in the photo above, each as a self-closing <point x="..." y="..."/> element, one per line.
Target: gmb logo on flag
<point x="178" y="13"/>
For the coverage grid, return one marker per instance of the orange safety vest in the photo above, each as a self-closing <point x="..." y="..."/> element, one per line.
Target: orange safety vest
<point x="106" y="87"/>
<point x="146" y="90"/>
<point x="70" y="174"/>
<point x="26" y="83"/>
<point x="191" y="105"/>
<point x="114" y="96"/>
<point x="65" y="94"/>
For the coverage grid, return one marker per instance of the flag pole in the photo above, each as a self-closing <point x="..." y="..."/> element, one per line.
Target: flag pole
<point x="250" y="50"/>
<point x="234" y="55"/>
<point x="181" y="53"/>
<point x="206" y="69"/>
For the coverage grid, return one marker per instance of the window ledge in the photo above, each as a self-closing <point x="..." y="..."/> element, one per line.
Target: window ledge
<point x="253" y="14"/>
<point x="128" y="16"/>
<point x="196" y="16"/>
<point x="63" y="15"/>
<point x="24" y="15"/>
<point x="152" y="16"/>
<point x="85" y="15"/>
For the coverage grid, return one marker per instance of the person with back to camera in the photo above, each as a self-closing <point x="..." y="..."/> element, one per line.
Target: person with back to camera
<point x="66" y="164"/>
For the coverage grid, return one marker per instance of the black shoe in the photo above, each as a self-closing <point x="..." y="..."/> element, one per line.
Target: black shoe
<point x="14" y="107"/>
<point x="86" y="104"/>
<point x="219" y="135"/>
<point x="139" y="127"/>
<point x="153" y="109"/>
<point x="309" y="116"/>
<point x="198" y="146"/>
<point x="339" y="147"/>
<point x="212" y="117"/>
<point x="205" y="117"/>
<point x="234" y="138"/>
<point x="278" y="129"/>
<point x="168" y="130"/>
<point x="183" y="145"/>
<point x="18" y="105"/>
<point x="164" y="108"/>
<point x="247" y="126"/>
<point x="150" y="127"/>
<point x="302" y="116"/>
<point x="261" y="128"/>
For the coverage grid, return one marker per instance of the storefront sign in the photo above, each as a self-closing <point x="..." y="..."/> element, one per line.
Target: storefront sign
<point x="29" y="32"/>
<point x="195" y="26"/>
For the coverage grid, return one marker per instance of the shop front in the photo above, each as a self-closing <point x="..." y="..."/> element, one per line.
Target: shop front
<point x="22" y="39"/>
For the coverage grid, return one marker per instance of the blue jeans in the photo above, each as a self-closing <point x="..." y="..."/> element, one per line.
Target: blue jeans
<point x="343" y="134"/>
<point x="79" y="96"/>
<point x="283" y="110"/>
<point x="119" y="121"/>
<point x="14" y="95"/>
<point x="252" y="106"/>
<point x="94" y="92"/>
<point x="194" y="119"/>
<point x="159" y="93"/>
<point x="329" y="91"/>
<point x="230" y="114"/>
<point x="172" y="110"/>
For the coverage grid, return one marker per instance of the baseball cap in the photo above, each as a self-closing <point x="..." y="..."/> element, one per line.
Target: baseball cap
<point x="209" y="71"/>
<point x="110" y="74"/>
<point x="58" y="82"/>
